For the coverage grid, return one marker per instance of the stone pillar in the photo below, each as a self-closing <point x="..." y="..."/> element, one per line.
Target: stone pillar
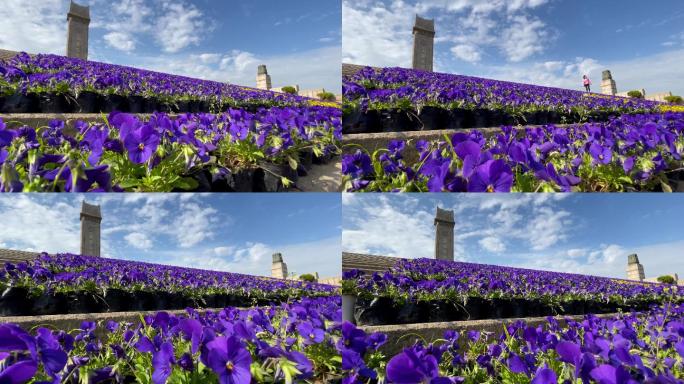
<point x="90" y="229"/>
<point x="444" y="234"/>
<point x="635" y="271"/>
<point x="78" y="20"/>
<point x="263" y="79"/>
<point x="278" y="267"/>
<point x="423" y="43"/>
<point x="608" y="84"/>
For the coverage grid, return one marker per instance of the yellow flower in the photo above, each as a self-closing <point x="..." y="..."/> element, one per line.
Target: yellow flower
<point x="324" y="103"/>
<point x="671" y="108"/>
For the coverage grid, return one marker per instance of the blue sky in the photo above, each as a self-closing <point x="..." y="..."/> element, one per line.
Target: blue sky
<point x="229" y="232"/>
<point x="299" y="41"/>
<point x="549" y="42"/>
<point x="583" y="233"/>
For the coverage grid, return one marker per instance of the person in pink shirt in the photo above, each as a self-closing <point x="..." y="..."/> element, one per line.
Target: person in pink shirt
<point x="587" y="83"/>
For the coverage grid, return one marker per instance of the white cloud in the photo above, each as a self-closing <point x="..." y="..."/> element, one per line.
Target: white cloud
<point x="209" y="58"/>
<point x="39" y="27"/>
<point x="41" y="225"/>
<point x="519" y="230"/>
<point x="179" y="26"/>
<point x="383" y="224"/>
<point x="193" y="225"/>
<point x="611" y="260"/>
<point x="322" y="256"/>
<point x="379" y="33"/>
<point x="397" y="226"/>
<point x="223" y="251"/>
<point x="547" y="228"/>
<point x="347" y="198"/>
<point x="139" y="240"/>
<point x="525" y="37"/>
<point x="121" y="41"/>
<point x="492" y="244"/>
<point x="607" y="254"/>
<point x="191" y="222"/>
<point x="466" y="52"/>
<point x="316" y="68"/>
<point x="375" y="34"/>
<point x="575" y="253"/>
<point x="159" y="228"/>
<point x="173" y="27"/>
<point x="656" y="73"/>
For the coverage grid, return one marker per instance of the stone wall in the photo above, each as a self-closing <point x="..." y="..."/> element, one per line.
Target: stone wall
<point x="14" y="256"/>
<point x="367" y="263"/>
<point x="402" y="336"/>
<point x="73" y="321"/>
<point x="6" y="55"/>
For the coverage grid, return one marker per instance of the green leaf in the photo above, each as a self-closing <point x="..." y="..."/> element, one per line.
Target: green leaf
<point x="666" y="187"/>
<point x="186" y="183"/>
<point x="292" y="162"/>
<point x="129" y="183"/>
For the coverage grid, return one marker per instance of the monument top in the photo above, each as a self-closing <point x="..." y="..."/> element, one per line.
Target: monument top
<point x="262" y="70"/>
<point x="424" y="25"/>
<point x="277" y="257"/>
<point x="444" y="215"/>
<point x="606" y="75"/>
<point x="80" y="11"/>
<point x="90" y="210"/>
<point x="633" y="259"/>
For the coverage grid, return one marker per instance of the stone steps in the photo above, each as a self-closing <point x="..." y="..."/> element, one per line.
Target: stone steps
<point x="404" y="335"/>
<point x="373" y="141"/>
<point x="321" y="178"/>
<point x="13" y="120"/>
<point x="73" y="321"/>
<point x="367" y="263"/>
<point x="14" y="256"/>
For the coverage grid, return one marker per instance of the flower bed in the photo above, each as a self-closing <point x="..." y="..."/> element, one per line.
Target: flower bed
<point x="397" y="99"/>
<point x="58" y="84"/>
<point x="234" y="151"/>
<point x="284" y="343"/>
<point x="630" y="153"/>
<point x="631" y="348"/>
<point x="429" y="290"/>
<point x="66" y="283"/>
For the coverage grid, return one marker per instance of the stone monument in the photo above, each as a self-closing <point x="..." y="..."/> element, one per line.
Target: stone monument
<point x="635" y="271"/>
<point x="444" y="234"/>
<point x="278" y="267"/>
<point x="78" y="20"/>
<point x="90" y="229"/>
<point x="263" y="79"/>
<point x="608" y="84"/>
<point x="423" y="43"/>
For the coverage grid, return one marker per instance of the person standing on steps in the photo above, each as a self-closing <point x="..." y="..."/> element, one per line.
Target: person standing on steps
<point x="586" y="82"/>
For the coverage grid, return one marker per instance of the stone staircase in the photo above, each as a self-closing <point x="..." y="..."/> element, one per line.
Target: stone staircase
<point x="14" y="256"/>
<point x="367" y="263"/>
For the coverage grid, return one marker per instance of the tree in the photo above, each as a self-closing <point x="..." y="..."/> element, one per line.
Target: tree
<point x="289" y="89"/>
<point x="326" y="96"/>
<point x="666" y="279"/>
<point x="635" y="94"/>
<point x="674" y="99"/>
<point x="307" y="277"/>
